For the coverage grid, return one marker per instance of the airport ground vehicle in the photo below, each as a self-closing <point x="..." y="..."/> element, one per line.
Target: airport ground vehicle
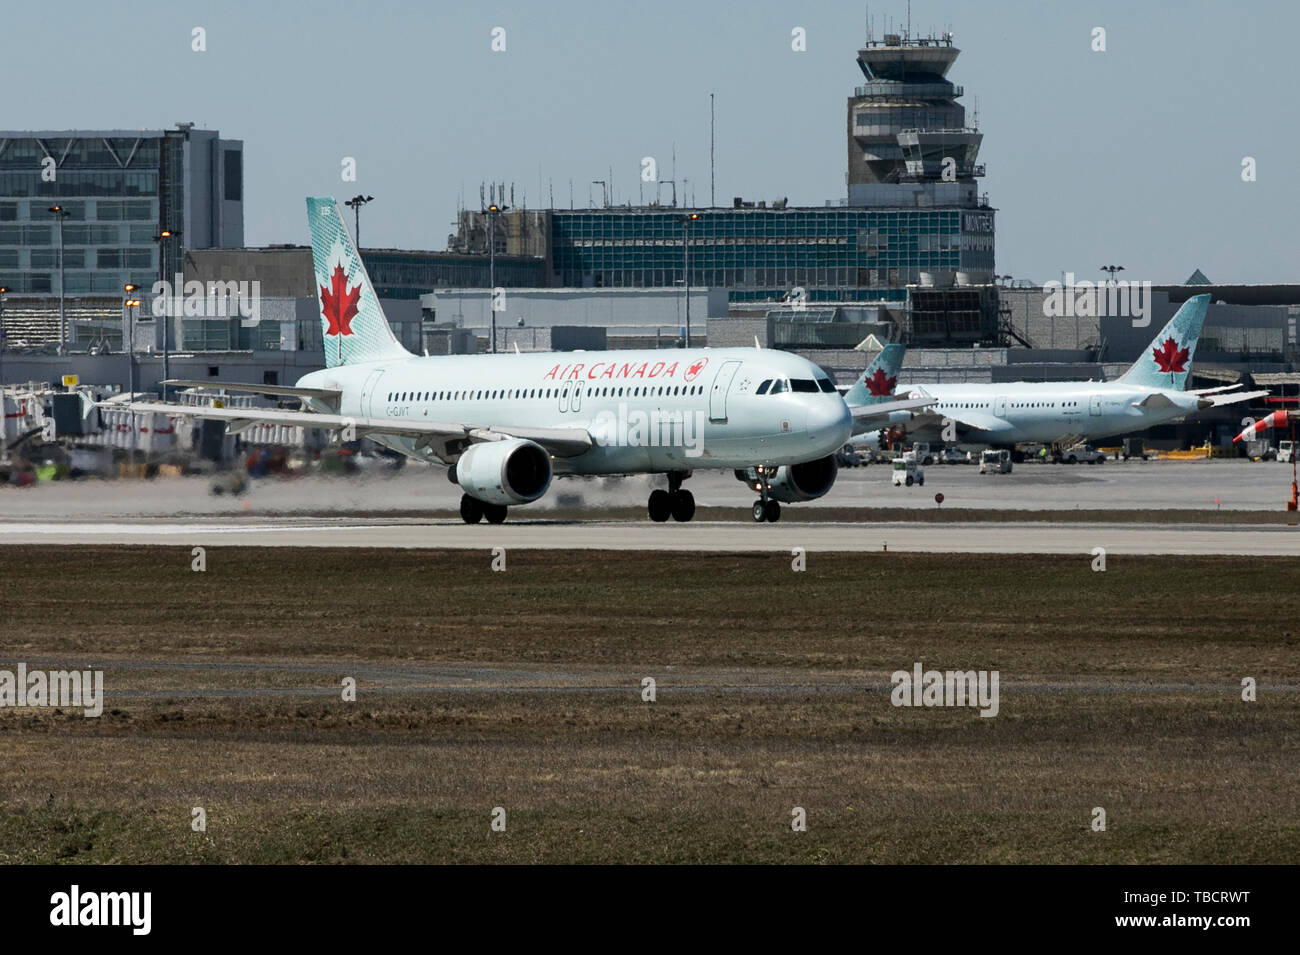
<point x="1260" y="450"/>
<point x="995" y="461"/>
<point x="1285" y="451"/>
<point x="921" y="450"/>
<point x="1083" y="454"/>
<point x="848" y="457"/>
<point x="907" y="472"/>
<point x="1134" y="448"/>
<point x="954" y="456"/>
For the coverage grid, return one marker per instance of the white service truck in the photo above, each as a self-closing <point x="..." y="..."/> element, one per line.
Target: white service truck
<point x="907" y="472"/>
<point x="995" y="461"/>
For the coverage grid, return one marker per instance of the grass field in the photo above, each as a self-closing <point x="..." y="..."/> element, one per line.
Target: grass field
<point x="522" y="690"/>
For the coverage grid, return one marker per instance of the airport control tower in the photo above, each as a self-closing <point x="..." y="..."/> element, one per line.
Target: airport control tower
<point x="909" y="144"/>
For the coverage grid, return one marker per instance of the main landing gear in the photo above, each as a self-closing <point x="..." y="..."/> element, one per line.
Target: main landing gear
<point x="472" y="510"/>
<point x="764" y="509"/>
<point x="676" y="502"/>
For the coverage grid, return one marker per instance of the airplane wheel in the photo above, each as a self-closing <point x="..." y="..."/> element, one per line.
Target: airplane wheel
<point x="683" y="506"/>
<point x="773" y="511"/>
<point x="471" y="509"/>
<point x="760" y="512"/>
<point x="660" y="506"/>
<point x="495" y="513"/>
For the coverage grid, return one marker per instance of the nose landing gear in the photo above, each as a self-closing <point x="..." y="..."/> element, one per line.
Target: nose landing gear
<point x="764" y="509"/>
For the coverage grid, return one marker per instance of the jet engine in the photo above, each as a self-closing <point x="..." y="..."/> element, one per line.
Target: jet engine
<point x="515" y="471"/>
<point x="791" y="483"/>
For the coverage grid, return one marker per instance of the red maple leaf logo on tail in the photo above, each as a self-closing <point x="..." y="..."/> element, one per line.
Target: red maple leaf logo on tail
<point x="1170" y="357"/>
<point x="339" y="305"/>
<point x="878" y="383"/>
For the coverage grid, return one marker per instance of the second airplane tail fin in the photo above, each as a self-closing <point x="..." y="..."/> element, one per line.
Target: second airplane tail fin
<point x="877" y="383"/>
<point x="1168" y="360"/>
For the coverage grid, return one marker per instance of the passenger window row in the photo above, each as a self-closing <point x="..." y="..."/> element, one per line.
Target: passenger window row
<point x="665" y="391"/>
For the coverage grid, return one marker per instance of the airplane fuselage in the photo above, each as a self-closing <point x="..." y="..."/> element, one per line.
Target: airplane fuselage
<point x="646" y="410"/>
<point x="1014" y="413"/>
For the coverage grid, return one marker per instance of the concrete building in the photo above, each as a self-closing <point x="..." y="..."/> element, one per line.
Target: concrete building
<point x="1251" y="328"/>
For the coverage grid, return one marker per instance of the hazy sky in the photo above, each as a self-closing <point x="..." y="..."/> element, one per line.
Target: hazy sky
<point x="1131" y="156"/>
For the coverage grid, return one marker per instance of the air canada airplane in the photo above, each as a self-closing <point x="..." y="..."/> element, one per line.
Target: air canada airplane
<point x="1150" y="392"/>
<point x="504" y="424"/>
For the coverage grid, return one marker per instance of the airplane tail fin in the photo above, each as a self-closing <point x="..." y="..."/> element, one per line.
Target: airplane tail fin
<point x="1167" y="362"/>
<point x="353" y="326"/>
<point x="876" y="384"/>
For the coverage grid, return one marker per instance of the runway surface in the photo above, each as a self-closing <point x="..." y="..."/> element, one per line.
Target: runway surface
<point x="697" y="536"/>
<point x="1134" y="485"/>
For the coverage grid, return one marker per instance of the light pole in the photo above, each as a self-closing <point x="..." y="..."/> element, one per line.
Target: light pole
<point x="686" y="270"/>
<point x="1112" y="269"/>
<point x="161" y="238"/>
<point x="356" y="202"/>
<point x="60" y="214"/>
<point x="130" y="359"/>
<point x="3" y="290"/>
<point x="493" y="211"/>
<point x="130" y="335"/>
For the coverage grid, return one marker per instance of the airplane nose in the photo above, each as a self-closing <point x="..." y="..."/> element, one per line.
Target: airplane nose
<point x="830" y="423"/>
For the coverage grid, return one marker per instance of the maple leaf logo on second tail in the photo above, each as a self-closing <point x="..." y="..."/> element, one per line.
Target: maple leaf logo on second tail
<point x="878" y="383"/>
<point x="338" y="304"/>
<point x="1169" y="357"/>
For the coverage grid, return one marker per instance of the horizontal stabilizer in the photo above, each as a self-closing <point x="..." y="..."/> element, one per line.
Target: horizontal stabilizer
<point x="1235" y="397"/>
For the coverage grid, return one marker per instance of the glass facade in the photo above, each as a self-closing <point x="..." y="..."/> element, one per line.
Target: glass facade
<point x="834" y="253"/>
<point x="408" y="275"/>
<point x="106" y="184"/>
<point x="121" y="190"/>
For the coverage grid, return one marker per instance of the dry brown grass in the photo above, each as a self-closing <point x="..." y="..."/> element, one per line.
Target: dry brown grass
<point x="550" y="724"/>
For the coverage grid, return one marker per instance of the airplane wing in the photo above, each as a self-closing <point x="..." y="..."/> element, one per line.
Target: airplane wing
<point x="451" y="437"/>
<point x="327" y="394"/>
<point x="1213" y="391"/>
<point x="867" y="414"/>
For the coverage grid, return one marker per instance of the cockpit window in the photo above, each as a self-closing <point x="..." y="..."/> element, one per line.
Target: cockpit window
<point x="762" y="389"/>
<point x="779" y="386"/>
<point x="805" y="385"/>
<point x="826" y="385"/>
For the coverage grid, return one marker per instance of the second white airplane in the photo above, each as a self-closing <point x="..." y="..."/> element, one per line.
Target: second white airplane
<point x="1003" y="415"/>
